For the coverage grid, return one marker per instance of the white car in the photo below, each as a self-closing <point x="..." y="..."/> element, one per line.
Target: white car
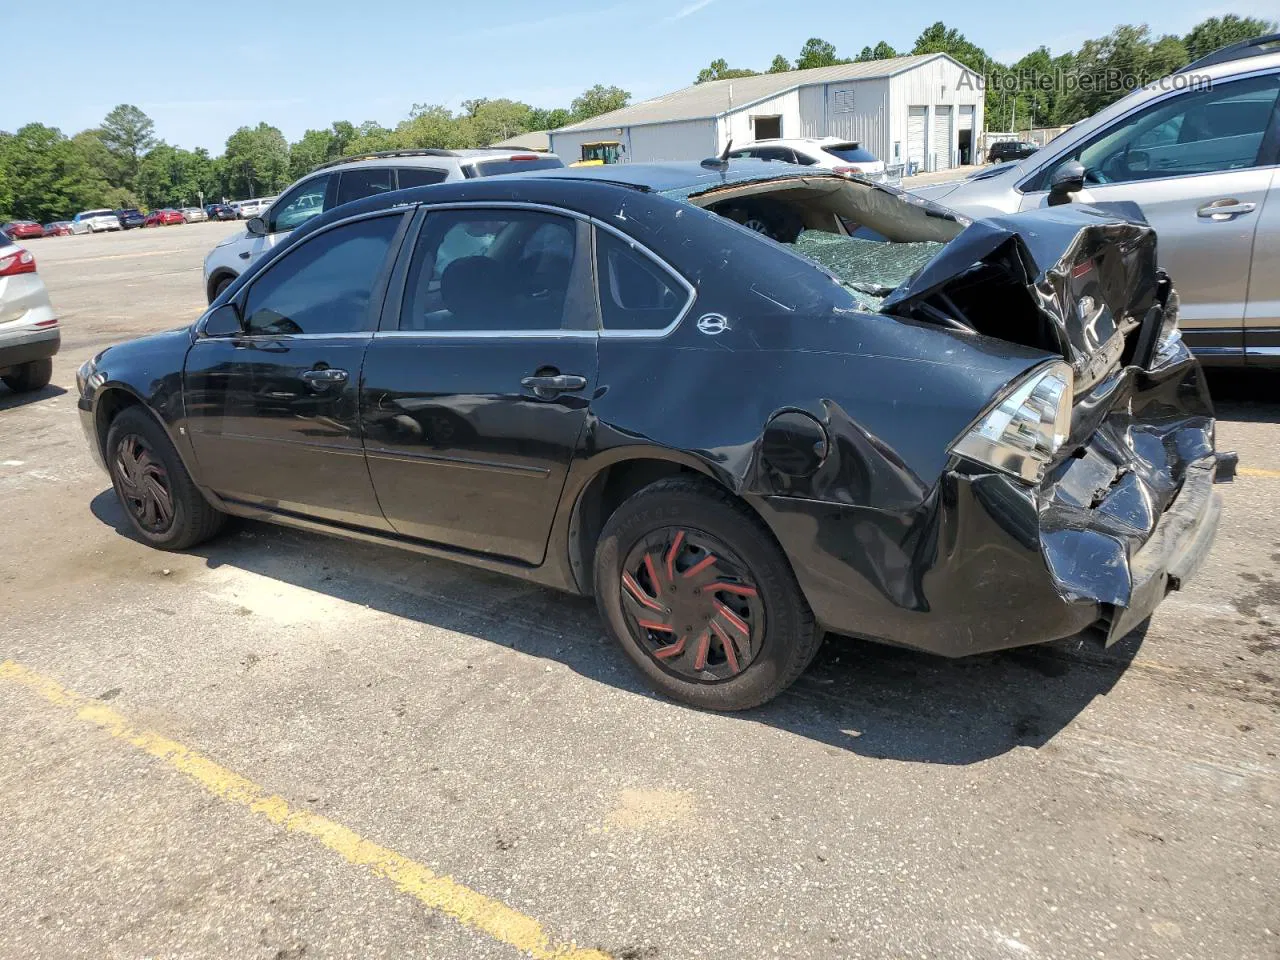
<point x="1198" y="152"/>
<point x="95" y="221"/>
<point x="341" y="181"/>
<point x="245" y="209"/>
<point x="29" y="334"/>
<point x="825" y="153"/>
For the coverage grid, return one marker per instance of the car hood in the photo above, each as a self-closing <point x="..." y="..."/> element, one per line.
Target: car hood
<point x="232" y="238"/>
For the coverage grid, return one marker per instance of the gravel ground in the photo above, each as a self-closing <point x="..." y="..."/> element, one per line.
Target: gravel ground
<point x="1055" y="802"/>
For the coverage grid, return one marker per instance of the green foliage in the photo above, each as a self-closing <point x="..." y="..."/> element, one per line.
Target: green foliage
<point x="780" y="65"/>
<point x="939" y="38"/>
<point x="817" y="53"/>
<point x="173" y="177"/>
<point x="1218" y="32"/>
<point x="1128" y="54"/>
<point x="257" y="161"/>
<point x="127" y="133"/>
<point x="720" y="70"/>
<point x="881" y="51"/>
<point x="597" y="100"/>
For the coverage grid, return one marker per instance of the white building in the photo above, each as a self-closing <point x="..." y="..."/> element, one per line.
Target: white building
<point x="925" y="109"/>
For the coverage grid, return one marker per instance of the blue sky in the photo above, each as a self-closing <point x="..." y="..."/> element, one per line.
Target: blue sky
<point x="201" y="70"/>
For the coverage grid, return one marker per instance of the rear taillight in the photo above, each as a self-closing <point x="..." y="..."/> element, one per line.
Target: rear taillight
<point x="857" y="170"/>
<point x="524" y="156"/>
<point x="15" y="263"/>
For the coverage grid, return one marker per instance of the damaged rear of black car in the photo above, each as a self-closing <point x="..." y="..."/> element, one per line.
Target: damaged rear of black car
<point x="878" y="419"/>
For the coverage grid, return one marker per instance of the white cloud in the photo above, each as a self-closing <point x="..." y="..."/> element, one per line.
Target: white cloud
<point x="690" y="9"/>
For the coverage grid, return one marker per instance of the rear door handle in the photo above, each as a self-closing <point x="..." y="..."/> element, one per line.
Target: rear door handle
<point x="323" y="379"/>
<point x="549" y="386"/>
<point x="1225" y="209"/>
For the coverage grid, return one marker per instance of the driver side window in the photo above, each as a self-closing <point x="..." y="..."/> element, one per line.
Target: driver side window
<point x="1207" y="130"/>
<point x="305" y="202"/>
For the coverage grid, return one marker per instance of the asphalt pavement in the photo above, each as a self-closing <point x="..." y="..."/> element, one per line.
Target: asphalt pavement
<point x="282" y="745"/>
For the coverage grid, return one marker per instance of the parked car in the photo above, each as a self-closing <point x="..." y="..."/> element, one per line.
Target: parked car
<point x="194" y="214"/>
<point x="1003" y="150"/>
<point x="130" y="218"/>
<point x="59" y="228"/>
<point x="163" y="218"/>
<point x="95" y="221"/>
<point x="734" y="444"/>
<point x="342" y="181"/>
<point x="1197" y="153"/>
<point x="29" y="334"/>
<point x="21" y="229"/>
<point x="220" y="211"/>
<point x="251" y="208"/>
<point x="824" y="153"/>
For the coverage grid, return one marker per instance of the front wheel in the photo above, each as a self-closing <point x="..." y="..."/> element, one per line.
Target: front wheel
<point x="162" y="503"/>
<point x="701" y="597"/>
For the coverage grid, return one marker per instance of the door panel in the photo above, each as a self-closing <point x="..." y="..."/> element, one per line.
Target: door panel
<point x="1262" y="313"/>
<point x="264" y="434"/>
<point x="459" y="452"/>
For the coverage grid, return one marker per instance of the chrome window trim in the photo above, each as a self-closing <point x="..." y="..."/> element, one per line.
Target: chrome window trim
<point x="487" y="334"/>
<point x="666" y="268"/>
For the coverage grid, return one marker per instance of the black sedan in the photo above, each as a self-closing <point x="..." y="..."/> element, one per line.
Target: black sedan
<point x="878" y="420"/>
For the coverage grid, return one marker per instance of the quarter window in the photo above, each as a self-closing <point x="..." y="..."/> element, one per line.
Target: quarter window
<point x="325" y="285"/>
<point x="1198" y="131"/>
<point x="421" y="176"/>
<point x="304" y="202"/>
<point x="478" y="270"/>
<point x="636" y="293"/>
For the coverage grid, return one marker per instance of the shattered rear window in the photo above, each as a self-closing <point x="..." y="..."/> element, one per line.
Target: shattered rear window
<point x="872" y="268"/>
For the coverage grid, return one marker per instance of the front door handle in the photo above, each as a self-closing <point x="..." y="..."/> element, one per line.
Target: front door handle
<point x="324" y="379"/>
<point x="1224" y="209"/>
<point x="550" y="385"/>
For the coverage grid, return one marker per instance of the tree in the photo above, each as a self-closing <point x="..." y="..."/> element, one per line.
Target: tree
<point x="549" y="119"/>
<point x="314" y="148"/>
<point x="257" y="161"/>
<point x="1108" y="68"/>
<point x="127" y="133"/>
<point x="881" y="51"/>
<point x="344" y="131"/>
<point x="597" y="100"/>
<point x="939" y="38"/>
<point x="431" y="125"/>
<point x="495" y="120"/>
<point x="817" y="53"/>
<point x="1209" y="35"/>
<point x="47" y="176"/>
<point x="720" y="70"/>
<point x="372" y="137"/>
<point x="780" y="64"/>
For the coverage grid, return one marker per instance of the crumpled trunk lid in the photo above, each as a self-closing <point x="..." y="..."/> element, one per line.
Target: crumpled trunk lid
<point x="1074" y="280"/>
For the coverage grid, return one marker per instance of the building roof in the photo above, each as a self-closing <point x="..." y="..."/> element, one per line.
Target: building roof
<point x="537" y="140"/>
<point x="718" y="97"/>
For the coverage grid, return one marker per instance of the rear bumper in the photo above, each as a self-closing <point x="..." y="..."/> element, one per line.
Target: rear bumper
<point x="17" y="350"/>
<point x="987" y="562"/>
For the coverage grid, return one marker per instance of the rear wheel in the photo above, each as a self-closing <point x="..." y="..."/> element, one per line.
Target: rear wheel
<point x="162" y="503"/>
<point x="220" y="286"/>
<point x="30" y="376"/>
<point x="701" y="598"/>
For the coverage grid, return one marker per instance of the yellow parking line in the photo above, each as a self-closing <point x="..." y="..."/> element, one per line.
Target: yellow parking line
<point x="1258" y="472"/>
<point x="443" y="894"/>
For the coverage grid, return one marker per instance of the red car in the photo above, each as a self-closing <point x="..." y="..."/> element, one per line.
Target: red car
<point x="59" y="228"/>
<point x="162" y="218"/>
<point x="21" y="229"/>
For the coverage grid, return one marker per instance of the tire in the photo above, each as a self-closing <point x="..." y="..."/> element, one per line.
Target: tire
<point x="32" y="375"/>
<point x="189" y="519"/>
<point x="221" y="287"/>
<point x="680" y="530"/>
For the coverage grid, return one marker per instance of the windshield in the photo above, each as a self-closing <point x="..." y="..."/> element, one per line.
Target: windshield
<point x="851" y="153"/>
<point x="493" y="168"/>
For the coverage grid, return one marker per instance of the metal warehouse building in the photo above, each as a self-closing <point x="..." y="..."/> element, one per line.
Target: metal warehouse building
<point x="925" y="109"/>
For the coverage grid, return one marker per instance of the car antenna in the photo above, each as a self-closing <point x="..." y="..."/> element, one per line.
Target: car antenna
<point x="721" y="162"/>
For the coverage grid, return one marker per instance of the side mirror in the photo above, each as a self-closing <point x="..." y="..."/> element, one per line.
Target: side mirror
<point x="257" y="227"/>
<point x="1066" y="180"/>
<point x="224" y="322"/>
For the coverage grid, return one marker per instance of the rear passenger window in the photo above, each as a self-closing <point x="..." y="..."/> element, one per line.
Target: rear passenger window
<point x="325" y="285"/>
<point x="363" y="182"/>
<point x="636" y="293"/>
<point x="420" y="176"/>
<point x="497" y="270"/>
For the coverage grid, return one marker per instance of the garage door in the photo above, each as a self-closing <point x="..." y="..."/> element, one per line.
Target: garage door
<point x="943" y="118"/>
<point x="966" y="118"/>
<point x="915" y="136"/>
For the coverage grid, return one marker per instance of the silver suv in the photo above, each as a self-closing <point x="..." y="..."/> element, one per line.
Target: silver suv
<point x="352" y="178"/>
<point x="1199" y="152"/>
